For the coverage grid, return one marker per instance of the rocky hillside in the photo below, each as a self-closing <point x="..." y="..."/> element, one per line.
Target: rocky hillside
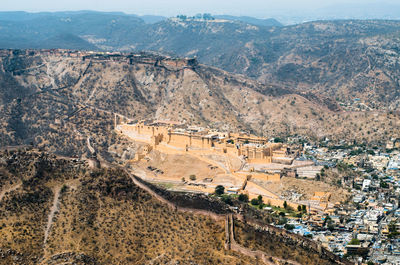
<point x="56" y="101"/>
<point x="56" y="211"/>
<point x="343" y="59"/>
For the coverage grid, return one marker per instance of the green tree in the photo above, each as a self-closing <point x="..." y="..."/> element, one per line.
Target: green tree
<point x="331" y="226"/>
<point x="392" y="227"/>
<point x="304" y="208"/>
<point x="393" y="230"/>
<point x="384" y="185"/>
<point x="254" y="202"/>
<point x="299" y="208"/>
<point x="243" y="198"/>
<point x="289" y="227"/>
<point x="282" y="221"/>
<point x="354" y="241"/>
<point x="227" y="200"/>
<point x="285" y="204"/>
<point x="327" y="220"/>
<point x="219" y="190"/>
<point x="260" y="199"/>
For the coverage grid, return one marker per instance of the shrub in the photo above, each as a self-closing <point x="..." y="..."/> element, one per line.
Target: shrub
<point x="282" y="221"/>
<point x="64" y="188"/>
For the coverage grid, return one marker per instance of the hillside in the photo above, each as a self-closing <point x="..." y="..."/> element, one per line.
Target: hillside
<point x="100" y="218"/>
<point x="342" y="59"/>
<point x="57" y="210"/>
<point x="57" y="101"/>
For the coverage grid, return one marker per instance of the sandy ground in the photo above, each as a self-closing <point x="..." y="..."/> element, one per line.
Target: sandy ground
<point x="256" y="189"/>
<point x="227" y="180"/>
<point x="308" y="187"/>
<point x="169" y="169"/>
<point x="176" y="167"/>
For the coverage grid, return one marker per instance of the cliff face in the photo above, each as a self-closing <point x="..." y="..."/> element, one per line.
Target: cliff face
<point x="56" y="99"/>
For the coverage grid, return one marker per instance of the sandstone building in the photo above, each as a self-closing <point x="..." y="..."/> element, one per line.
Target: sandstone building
<point x="175" y="135"/>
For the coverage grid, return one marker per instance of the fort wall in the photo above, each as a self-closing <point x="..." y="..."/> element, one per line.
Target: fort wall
<point x="273" y="177"/>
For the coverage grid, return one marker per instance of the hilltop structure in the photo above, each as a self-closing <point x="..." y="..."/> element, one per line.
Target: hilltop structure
<point x="177" y="136"/>
<point x="248" y="163"/>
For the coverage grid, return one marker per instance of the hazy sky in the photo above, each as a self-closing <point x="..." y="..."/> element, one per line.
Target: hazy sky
<point x="258" y="8"/>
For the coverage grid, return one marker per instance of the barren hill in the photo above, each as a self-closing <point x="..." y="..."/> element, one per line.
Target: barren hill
<point x="56" y="101"/>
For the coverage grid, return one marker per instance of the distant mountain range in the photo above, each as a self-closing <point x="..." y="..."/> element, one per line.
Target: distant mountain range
<point x="269" y="22"/>
<point x="340" y="59"/>
<point x="50" y="30"/>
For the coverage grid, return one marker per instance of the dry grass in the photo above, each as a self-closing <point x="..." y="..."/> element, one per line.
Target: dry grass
<point x="275" y="245"/>
<point x="104" y="216"/>
<point x="308" y="188"/>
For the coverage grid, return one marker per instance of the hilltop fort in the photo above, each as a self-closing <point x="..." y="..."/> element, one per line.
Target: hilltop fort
<point x="177" y="136"/>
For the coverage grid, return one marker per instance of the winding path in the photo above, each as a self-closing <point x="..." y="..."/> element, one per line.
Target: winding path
<point x="53" y="211"/>
<point x="91" y="149"/>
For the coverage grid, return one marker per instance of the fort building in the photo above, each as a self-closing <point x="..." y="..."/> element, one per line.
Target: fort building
<point x="177" y="136"/>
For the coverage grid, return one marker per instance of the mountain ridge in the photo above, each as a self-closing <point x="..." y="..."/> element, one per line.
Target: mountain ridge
<point x="342" y="59"/>
<point x="49" y="96"/>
